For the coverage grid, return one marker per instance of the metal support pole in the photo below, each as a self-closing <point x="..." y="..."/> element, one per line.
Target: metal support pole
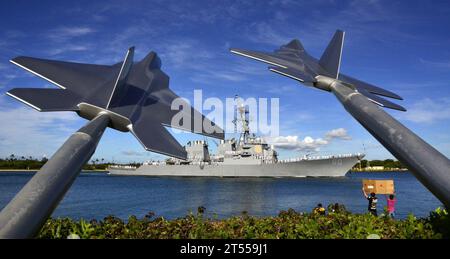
<point x="24" y="216"/>
<point x="428" y="165"/>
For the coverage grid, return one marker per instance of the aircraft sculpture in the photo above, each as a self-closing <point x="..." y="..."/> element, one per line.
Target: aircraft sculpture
<point x="136" y="97"/>
<point x="291" y="60"/>
<point x="362" y="101"/>
<point x="128" y="96"/>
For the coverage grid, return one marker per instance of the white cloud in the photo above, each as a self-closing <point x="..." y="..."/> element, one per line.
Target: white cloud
<point x="67" y="48"/>
<point x="9" y="73"/>
<point x="436" y="64"/>
<point x="428" y="111"/>
<point x="265" y="33"/>
<point x="294" y="143"/>
<point x="339" y="133"/>
<point x="67" y="33"/>
<point x="209" y="77"/>
<point x="281" y="89"/>
<point x="186" y="53"/>
<point x="189" y="54"/>
<point x="372" y="16"/>
<point x="133" y="153"/>
<point x="308" y="143"/>
<point x="28" y="132"/>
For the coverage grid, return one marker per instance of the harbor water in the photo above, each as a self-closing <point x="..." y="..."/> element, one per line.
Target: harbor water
<point x="97" y="195"/>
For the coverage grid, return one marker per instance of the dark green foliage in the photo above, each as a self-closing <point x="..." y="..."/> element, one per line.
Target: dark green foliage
<point x="440" y="220"/>
<point x="387" y="164"/>
<point x="29" y="163"/>
<point x="288" y="224"/>
<point x="21" y="162"/>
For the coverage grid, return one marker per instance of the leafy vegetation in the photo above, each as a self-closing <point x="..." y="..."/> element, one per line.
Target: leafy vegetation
<point x="21" y="162"/>
<point x="30" y="163"/>
<point x="287" y="225"/>
<point x="388" y="164"/>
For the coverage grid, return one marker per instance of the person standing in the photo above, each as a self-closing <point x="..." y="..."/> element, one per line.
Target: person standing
<point x="373" y="200"/>
<point x="391" y="200"/>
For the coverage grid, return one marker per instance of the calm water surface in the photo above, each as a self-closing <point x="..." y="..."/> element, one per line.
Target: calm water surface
<point x="97" y="195"/>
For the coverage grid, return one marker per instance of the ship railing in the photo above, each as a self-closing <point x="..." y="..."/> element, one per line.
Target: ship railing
<point x="310" y="158"/>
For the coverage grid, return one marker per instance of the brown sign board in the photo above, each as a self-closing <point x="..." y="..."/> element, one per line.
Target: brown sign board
<point x="378" y="186"/>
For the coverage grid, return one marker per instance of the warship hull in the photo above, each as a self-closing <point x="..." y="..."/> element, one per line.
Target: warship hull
<point x="328" y="167"/>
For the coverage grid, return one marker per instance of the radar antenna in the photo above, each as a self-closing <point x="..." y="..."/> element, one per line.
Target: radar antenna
<point x="243" y="118"/>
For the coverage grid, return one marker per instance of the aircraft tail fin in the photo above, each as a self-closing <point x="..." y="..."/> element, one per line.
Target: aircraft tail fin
<point x="119" y="85"/>
<point x="381" y="101"/>
<point x="331" y="58"/>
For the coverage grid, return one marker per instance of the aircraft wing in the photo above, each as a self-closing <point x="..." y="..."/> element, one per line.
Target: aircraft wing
<point x="195" y="121"/>
<point x="137" y="95"/>
<point x="150" y="132"/>
<point x="271" y="59"/>
<point x="294" y="74"/>
<point x="77" y="77"/>
<point x="45" y="99"/>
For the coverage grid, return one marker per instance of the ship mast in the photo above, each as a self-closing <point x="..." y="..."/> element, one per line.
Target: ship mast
<point x="243" y="115"/>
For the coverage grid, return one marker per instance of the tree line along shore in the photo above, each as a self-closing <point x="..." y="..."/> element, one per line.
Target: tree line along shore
<point x="387" y="165"/>
<point x="21" y="163"/>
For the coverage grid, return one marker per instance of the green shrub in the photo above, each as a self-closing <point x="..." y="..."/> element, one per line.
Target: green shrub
<point x="287" y="225"/>
<point x="440" y="220"/>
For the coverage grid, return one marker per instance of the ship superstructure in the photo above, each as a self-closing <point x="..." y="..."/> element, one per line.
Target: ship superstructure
<point x="247" y="156"/>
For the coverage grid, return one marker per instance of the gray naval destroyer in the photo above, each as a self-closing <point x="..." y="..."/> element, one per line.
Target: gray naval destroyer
<point x="250" y="156"/>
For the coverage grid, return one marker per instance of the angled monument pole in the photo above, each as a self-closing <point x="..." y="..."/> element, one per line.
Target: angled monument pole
<point x="27" y="212"/>
<point x="128" y="96"/>
<point x="362" y="101"/>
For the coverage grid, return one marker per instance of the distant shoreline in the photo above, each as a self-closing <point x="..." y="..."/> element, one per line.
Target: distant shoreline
<point x="104" y="171"/>
<point x="380" y="171"/>
<point x="35" y="170"/>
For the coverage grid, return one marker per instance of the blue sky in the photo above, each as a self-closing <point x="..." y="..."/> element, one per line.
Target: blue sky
<point x="403" y="46"/>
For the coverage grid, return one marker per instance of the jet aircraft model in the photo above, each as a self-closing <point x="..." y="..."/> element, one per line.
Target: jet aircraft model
<point x="293" y="61"/>
<point x="360" y="99"/>
<point x="135" y="95"/>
